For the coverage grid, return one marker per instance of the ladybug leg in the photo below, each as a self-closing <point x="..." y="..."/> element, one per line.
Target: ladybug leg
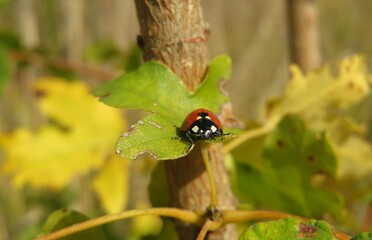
<point x="226" y="134"/>
<point x="188" y="135"/>
<point x="178" y="132"/>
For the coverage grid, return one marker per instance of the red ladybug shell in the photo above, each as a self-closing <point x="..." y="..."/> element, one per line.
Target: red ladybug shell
<point x="193" y="116"/>
<point x="201" y="124"/>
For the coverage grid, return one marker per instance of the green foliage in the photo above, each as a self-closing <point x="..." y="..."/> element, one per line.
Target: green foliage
<point x="107" y="52"/>
<point x="155" y="88"/>
<point x="363" y="236"/>
<point x="4" y="2"/>
<point x="289" y="229"/>
<point x="5" y="69"/>
<point x="63" y="218"/>
<point x="101" y="51"/>
<point x="10" y="40"/>
<point x="292" y="157"/>
<point x="134" y="59"/>
<point x="158" y="189"/>
<point x="154" y="135"/>
<point x="293" y="171"/>
<point x="291" y="144"/>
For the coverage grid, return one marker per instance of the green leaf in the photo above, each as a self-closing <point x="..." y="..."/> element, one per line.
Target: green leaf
<point x="155" y="135"/>
<point x="211" y="90"/>
<point x="101" y="51"/>
<point x="5" y="69"/>
<point x="64" y="218"/>
<point x="289" y="228"/>
<point x="158" y="187"/>
<point x="293" y="158"/>
<point x="363" y="236"/>
<point x="133" y="60"/>
<point x="291" y="144"/>
<point x="10" y="40"/>
<point x="250" y="153"/>
<point x="155" y="88"/>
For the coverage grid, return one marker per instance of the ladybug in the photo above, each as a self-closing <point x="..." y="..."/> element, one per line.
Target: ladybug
<point x="201" y="124"/>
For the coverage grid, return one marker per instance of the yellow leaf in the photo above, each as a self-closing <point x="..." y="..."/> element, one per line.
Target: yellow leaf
<point x="111" y="184"/>
<point x="82" y="133"/>
<point x="319" y="98"/>
<point x="355" y="156"/>
<point x="313" y="93"/>
<point x="41" y="158"/>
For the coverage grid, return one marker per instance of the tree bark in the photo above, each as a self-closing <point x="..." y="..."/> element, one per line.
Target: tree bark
<point x="174" y="33"/>
<point x="303" y="33"/>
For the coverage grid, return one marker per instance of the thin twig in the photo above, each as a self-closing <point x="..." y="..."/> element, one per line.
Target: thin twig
<point x="203" y="232"/>
<point x="269" y="125"/>
<point x="214" y="200"/>
<point x="183" y="215"/>
<point x="63" y="64"/>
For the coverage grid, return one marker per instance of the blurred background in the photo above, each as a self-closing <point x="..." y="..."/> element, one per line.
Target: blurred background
<point x="95" y="40"/>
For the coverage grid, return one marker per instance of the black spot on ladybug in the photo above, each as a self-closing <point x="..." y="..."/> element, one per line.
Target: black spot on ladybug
<point x="200" y="124"/>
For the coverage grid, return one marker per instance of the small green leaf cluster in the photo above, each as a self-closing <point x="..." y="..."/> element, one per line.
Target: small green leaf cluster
<point x="282" y="177"/>
<point x="289" y="228"/>
<point x="156" y="89"/>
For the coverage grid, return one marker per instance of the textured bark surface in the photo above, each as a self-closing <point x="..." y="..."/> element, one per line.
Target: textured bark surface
<point x="303" y="33"/>
<point x="190" y="189"/>
<point x="174" y="32"/>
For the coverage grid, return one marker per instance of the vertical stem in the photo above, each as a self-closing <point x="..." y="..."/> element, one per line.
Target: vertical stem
<point x="214" y="200"/>
<point x="174" y="33"/>
<point x="204" y="230"/>
<point x="303" y="33"/>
